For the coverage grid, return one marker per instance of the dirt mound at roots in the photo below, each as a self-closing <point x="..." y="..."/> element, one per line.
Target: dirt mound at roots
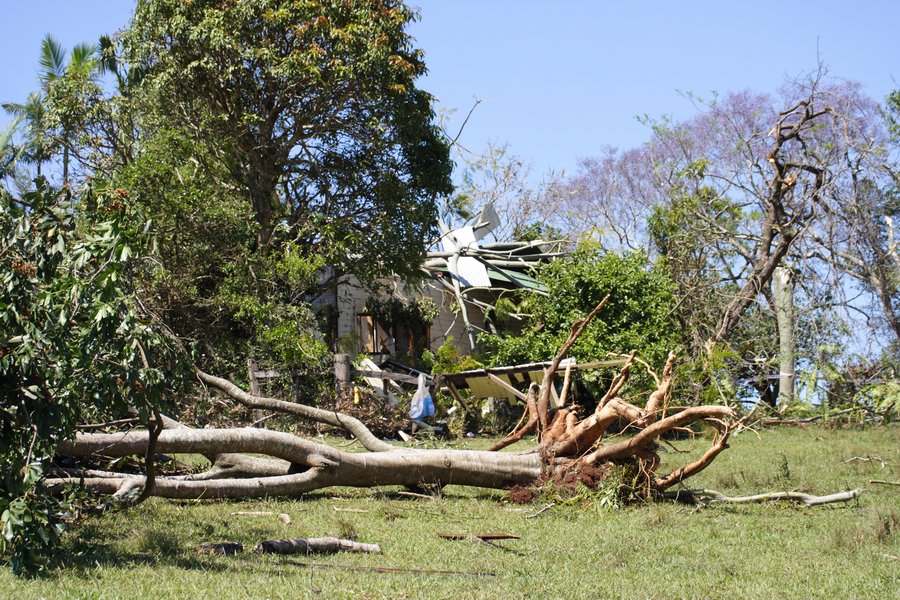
<point x="565" y="482"/>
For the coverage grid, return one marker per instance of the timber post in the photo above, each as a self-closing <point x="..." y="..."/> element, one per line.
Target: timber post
<point x="342" y="373"/>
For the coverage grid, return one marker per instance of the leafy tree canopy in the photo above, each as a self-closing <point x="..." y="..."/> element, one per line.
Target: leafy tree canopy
<point x="638" y="316"/>
<point x="75" y="341"/>
<point x="309" y="108"/>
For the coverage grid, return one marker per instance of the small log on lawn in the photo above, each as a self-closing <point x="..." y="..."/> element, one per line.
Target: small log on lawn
<point x="325" y="545"/>
<point x="480" y="536"/>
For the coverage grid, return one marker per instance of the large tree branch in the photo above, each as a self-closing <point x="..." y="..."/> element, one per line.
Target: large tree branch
<point x="352" y="425"/>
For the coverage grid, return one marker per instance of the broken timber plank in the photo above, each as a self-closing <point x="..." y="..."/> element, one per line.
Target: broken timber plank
<point x="506" y="386"/>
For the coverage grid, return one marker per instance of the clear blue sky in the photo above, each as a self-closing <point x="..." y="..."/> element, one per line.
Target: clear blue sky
<point x="560" y="80"/>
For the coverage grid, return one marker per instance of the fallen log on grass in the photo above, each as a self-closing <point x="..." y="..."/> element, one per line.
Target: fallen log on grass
<point x="324" y="545"/>
<point x="480" y="536"/>
<point x="223" y="548"/>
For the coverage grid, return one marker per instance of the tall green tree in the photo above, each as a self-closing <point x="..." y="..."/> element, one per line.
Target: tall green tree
<point x="638" y="316"/>
<point x="311" y="110"/>
<point x="52" y="116"/>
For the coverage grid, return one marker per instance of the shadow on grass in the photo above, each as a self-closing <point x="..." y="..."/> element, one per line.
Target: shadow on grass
<point x="90" y="550"/>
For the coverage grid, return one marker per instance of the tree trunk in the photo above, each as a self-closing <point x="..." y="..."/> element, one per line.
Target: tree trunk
<point x="783" y="287"/>
<point x="310" y="466"/>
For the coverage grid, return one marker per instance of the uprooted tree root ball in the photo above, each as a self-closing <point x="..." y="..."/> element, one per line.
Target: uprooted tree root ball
<point x="567" y="484"/>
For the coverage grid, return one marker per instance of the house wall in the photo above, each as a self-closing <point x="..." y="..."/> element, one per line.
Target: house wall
<point x="350" y="301"/>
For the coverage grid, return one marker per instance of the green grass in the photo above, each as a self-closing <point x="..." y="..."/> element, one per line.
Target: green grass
<point x="645" y="551"/>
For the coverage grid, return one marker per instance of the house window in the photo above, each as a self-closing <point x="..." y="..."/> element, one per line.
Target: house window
<point x="373" y="338"/>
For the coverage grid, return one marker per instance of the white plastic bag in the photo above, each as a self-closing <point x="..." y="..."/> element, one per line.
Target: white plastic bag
<point x="422" y="405"/>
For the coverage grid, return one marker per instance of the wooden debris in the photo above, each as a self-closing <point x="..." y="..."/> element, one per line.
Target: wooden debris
<point x="542" y="511"/>
<point x="481" y="536"/>
<point x="224" y="548"/>
<point x="882" y="481"/>
<point x="867" y="458"/>
<point x="325" y="545"/>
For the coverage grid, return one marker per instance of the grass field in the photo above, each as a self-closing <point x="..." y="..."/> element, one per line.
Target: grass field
<point x="640" y="551"/>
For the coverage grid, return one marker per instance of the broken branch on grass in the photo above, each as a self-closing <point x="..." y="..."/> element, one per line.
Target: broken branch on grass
<point x="711" y="496"/>
<point x="481" y="536"/>
<point x="867" y="458"/>
<point x="325" y="545"/>
<point x="542" y="511"/>
<point x="224" y="548"/>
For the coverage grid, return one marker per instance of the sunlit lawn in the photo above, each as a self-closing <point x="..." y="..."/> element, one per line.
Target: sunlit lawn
<point x="642" y="551"/>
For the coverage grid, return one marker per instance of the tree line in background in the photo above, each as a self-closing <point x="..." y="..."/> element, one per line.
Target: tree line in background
<point x="772" y="220"/>
<point x="173" y="195"/>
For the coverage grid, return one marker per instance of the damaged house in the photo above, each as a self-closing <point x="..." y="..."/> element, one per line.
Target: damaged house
<point x="457" y="299"/>
<point x="465" y="279"/>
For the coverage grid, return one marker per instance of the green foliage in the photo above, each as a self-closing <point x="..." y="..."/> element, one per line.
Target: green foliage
<point x="309" y="109"/>
<point x="449" y="359"/>
<point x="30" y="525"/>
<point x="391" y="311"/>
<point x="638" y="315"/>
<point x="74" y="340"/>
<point x="892" y="113"/>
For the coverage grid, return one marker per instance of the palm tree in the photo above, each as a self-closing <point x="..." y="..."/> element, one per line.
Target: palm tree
<point x="37" y="147"/>
<point x="84" y="61"/>
<point x="9" y="154"/>
<point x="39" y="144"/>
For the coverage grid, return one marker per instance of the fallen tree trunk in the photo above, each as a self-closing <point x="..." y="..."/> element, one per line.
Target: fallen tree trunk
<point x="567" y="447"/>
<point x="297" y="466"/>
<point x="314" y="465"/>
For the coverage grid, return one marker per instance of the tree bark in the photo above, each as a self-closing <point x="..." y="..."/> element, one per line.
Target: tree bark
<point x="319" y="465"/>
<point x="783" y="287"/>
